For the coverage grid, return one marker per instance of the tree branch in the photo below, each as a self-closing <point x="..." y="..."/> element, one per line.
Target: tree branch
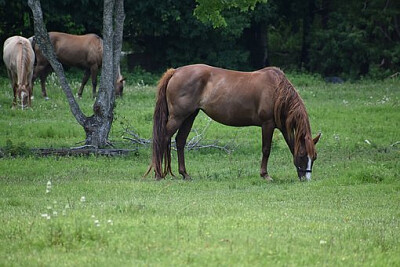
<point x="43" y="40"/>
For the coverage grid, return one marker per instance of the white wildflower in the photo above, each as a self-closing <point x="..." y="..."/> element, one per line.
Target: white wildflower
<point x="367" y="141"/>
<point x="83" y="199"/>
<point x="48" y="187"/>
<point x="97" y="223"/>
<point x="322" y="242"/>
<point x="110" y="222"/>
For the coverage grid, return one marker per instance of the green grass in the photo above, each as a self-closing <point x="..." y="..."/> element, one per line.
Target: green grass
<point x="347" y="215"/>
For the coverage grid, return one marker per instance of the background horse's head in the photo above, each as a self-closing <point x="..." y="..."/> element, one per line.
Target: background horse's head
<point x="119" y="85"/>
<point x="304" y="156"/>
<point x="23" y="96"/>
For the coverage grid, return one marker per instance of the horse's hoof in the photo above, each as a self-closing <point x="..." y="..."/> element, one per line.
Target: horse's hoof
<point x="268" y="178"/>
<point x="187" y="178"/>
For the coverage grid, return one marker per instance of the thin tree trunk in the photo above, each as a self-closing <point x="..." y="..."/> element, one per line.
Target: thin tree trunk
<point x="112" y="44"/>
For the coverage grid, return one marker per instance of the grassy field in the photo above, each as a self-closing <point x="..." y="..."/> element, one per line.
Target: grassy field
<point x="100" y="211"/>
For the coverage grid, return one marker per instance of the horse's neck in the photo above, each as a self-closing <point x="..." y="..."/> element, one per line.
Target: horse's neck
<point x="296" y="132"/>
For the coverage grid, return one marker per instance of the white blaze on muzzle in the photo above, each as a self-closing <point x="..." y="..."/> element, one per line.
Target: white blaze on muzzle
<point x="23" y="94"/>
<point x="308" y="173"/>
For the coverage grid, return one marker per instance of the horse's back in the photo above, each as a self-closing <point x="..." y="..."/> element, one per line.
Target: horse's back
<point x="77" y="50"/>
<point x="17" y="47"/>
<point x="230" y="97"/>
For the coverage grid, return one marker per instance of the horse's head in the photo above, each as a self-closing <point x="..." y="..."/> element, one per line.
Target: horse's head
<point x="119" y="85"/>
<point x="305" y="156"/>
<point x="23" y="95"/>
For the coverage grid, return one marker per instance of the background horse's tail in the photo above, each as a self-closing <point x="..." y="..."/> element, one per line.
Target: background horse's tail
<point x="161" y="146"/>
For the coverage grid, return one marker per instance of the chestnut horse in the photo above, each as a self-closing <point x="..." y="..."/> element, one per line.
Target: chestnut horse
<point x="81" y="51"/>
<point x="262" y="98"/>
<point x="19" y="58"/>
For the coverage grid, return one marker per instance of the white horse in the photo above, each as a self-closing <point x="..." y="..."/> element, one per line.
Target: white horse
<point x="19" y="59"/>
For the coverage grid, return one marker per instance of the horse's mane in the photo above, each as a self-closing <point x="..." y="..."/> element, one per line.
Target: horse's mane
<point x="291" y="115"/>
<point x="25" y="62"/>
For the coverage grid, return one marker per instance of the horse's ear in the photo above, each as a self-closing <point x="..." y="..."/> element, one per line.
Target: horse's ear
<point x="316" y="139"/>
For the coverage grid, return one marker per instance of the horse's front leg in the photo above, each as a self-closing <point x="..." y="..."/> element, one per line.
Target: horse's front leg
<point x="267" y="133"/>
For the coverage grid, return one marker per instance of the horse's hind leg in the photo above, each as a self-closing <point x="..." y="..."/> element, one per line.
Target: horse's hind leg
<point x="173" y="124"/>
<point x="180" y="139"/>
<point x="84" y="81"/>
<point x="93" y="71"/>
<point x="267" y="132"/>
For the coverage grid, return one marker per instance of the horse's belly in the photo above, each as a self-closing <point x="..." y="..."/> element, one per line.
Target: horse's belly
<point x="232" y="117"/>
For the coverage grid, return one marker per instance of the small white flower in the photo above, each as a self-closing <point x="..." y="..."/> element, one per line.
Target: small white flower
<point x="48" y="187"/>
<point x="110" y="222"/>
<point x="83" y="199"/>
<point x="93" y="216"/>
<point x="44" y="215"/>
<point x="55" y="213"/>
<point x="322" y="242"/>
<point x="367" y="141"/>
<point x="96" y="223"/>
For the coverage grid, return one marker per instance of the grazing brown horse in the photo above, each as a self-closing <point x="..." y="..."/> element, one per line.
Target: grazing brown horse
<point x="262" y="98"/>
<point x="19" y="58"/>
<point x="81" y="51"/>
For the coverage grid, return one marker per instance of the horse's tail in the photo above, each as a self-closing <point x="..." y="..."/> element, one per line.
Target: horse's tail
<point x="161" y="146"/>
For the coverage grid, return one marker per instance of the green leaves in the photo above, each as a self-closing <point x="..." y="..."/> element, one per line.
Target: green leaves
<point x="209" y="11"/>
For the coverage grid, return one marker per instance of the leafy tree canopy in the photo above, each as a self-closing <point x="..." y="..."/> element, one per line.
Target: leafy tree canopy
<point x="211" y="10"/>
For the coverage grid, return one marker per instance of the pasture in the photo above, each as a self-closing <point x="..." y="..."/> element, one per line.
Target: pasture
<point x="100" y="211"/>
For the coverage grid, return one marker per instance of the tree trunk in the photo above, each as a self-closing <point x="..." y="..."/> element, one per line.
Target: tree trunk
<point x="257" y="40"/>
<point x="308" y="17"/>
<point x="97" y="126"/>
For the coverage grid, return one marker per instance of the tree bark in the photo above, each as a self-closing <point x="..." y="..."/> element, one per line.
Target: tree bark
<point x="97" y="126"/>
<point x="308" y="17"/>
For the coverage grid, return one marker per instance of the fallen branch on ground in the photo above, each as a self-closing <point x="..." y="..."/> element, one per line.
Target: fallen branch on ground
<point x="195" y="143"/>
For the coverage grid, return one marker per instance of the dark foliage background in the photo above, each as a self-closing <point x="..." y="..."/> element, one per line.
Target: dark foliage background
<point x="349" y="39"/>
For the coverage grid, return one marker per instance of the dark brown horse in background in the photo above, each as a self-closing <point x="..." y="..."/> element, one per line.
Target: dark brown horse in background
<point x="19" y="57"/>
<point x="262" y="98"/>
<point x="81" y="51"/>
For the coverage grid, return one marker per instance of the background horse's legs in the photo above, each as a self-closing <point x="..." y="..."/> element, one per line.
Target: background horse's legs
<point x="180" y="139"/>
<point x="14" y="86"/>
<point x="42" y="72"/>
<point x="267" y="132"/>
<point x="84" y="81"/>
<point x="93" y="70"/>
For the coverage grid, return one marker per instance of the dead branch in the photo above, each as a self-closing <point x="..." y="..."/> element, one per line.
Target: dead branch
<point x="195" y="143"/>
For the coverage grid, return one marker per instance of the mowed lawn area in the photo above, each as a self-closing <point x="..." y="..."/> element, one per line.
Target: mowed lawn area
<point x="101" y="211"/>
